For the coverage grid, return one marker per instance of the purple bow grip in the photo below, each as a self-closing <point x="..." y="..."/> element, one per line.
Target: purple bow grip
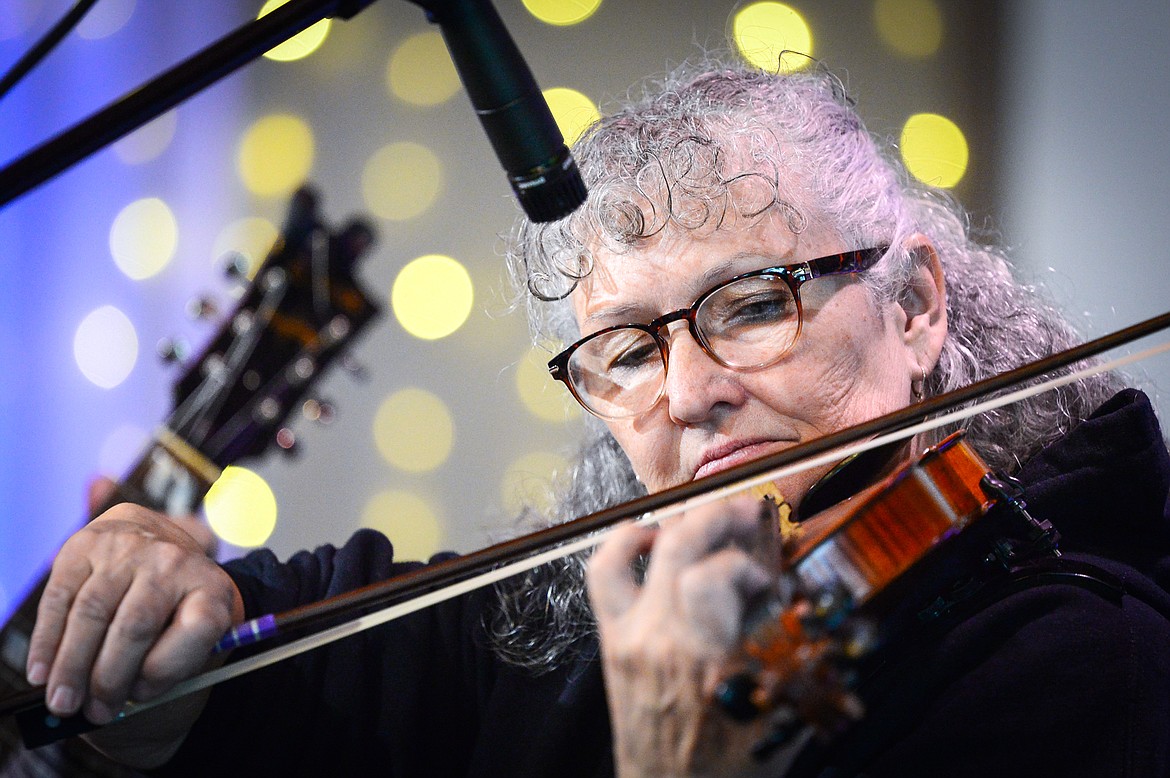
<point x="247" y="633"/>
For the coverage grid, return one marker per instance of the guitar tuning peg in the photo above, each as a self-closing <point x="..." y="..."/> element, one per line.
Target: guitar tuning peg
<point x="286" y="441"/>
<point x="236" y="266"/>
<point x="356" y="369"/>
<point x="202" y="308"/>
<point x="172" y="350"/>
<point x="320" y="411"/>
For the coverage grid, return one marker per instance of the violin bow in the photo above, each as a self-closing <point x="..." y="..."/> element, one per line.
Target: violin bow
<point x="385" y="601"/>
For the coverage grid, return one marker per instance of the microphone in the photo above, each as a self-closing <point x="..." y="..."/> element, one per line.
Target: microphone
<point x="510" y="107"/>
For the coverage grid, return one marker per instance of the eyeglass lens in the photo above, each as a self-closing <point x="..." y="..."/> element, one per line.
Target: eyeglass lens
<point x="748" y="323"/>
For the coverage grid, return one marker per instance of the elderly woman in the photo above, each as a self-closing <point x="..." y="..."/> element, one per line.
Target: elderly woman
<point x="749" y="273"/>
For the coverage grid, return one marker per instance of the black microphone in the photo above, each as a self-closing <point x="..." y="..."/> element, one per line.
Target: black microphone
<point x="510" y="106"/>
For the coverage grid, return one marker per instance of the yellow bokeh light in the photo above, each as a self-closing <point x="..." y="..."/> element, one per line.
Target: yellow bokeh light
<point x="300" y="45"/>
<point x="420" y="70"/>
<point x="913" y="28"/>
<point x="562" y="12"/>
<point x="105" y="346"/>
<point x="408" y="520"/>
<point x="143" y="238"/>
<point x="432" y="296"/>
<point x="528" y="481"/>
<point x="764" y="31"/>
<point x="275" y="155"/>
<point x="545" y="398"/>
<point x="401" y="180"/>
<point x="934" y="149"/>
<point x="105" y="19"/>
<point x="241" y="508"/>
<point x="574" y="112"/>
<point x="250" y="237"/>
<point x="414" y="431"/>
<point x="149" y="140"/>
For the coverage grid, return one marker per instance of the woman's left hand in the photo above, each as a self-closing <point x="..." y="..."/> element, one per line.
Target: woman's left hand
<point x="668" y="639"/>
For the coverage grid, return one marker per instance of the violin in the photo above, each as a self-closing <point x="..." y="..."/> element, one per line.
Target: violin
<point x="378" y="603"/>
<point x="838" y="568"/>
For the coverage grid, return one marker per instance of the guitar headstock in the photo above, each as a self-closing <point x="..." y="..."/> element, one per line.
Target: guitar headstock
<point x="302" y="309"/>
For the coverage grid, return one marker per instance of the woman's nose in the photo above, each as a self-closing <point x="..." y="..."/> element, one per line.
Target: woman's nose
<point x="696" y="385"/>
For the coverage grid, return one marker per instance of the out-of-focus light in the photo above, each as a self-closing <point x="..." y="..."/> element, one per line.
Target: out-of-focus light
<point x="105" y="347"/>
<point x="149" y="140"/>
<point x="573" y="112"/>
<point x="420" y="71"/>
<point x="300" y="45"/>
<point x="251" y="238"/>
<point x="913" y="28"/>
<point x="562" y="12"/>
<point x="105" y="19"/>
<point x="432" y="296"/>
<point x="528" y="481"/>
<point x="413" y="430"/>
<point x="544" y="397"/>
<point x="241" y="508"/>
<point x="143" y="238"/>
<point x="18" y="18"/>
<point x="408" y="520"/>
<point x="401" y="180"/>
<point x="275" y="155"/>
<point x="764" y="31"/>
<point x="934" y="149"/>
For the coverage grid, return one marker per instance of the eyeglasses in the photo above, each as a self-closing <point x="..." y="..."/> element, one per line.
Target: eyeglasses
<point x="746" y="323"/>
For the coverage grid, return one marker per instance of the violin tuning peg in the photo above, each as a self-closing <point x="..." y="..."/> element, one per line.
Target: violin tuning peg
<point x="736" y="696"/>
<point x="202" y="308"/>
<point x="173" y="350"/>
<point x="286" y="441"/>
<point x="320" y="411"/>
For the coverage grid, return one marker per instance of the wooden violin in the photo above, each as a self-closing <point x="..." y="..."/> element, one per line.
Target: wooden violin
<point x="838" y="568"/>
<point x="370" y="606"/>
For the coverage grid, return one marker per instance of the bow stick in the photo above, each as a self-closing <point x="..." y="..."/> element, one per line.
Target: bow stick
<point x="379" y="603"/>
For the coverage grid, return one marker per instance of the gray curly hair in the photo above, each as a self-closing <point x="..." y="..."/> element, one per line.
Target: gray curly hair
<point x="715" y="142"/>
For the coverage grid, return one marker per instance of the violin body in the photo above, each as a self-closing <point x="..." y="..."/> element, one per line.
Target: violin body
<point x="837" y="564"/>
<point x="866" y="542"/>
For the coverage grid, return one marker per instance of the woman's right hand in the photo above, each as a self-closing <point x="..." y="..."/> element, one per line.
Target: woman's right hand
<point x="133" y="605"/>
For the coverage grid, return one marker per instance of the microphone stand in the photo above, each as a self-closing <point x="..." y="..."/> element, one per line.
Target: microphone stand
<point x="187" y="78"/>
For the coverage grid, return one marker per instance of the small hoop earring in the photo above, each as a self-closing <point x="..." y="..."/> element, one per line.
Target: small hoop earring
<point x="918" y="386"/>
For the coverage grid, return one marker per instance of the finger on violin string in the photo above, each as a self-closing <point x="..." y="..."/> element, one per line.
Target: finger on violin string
<point x="612" y="575"/>
<point x="769" y="548"/>
<point x="701" y="531"/>
<point x="714" y="593"/>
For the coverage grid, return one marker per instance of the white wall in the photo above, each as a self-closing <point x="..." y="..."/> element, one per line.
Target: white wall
<point x="1086" y="184"/>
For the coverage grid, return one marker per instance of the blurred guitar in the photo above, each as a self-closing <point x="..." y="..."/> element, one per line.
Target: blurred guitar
<point x="302" y="309"/>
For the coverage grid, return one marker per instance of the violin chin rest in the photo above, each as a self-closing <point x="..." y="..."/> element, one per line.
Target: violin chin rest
<point x="851" y="475"/>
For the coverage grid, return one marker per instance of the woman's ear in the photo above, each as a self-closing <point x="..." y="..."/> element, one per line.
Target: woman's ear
<point x="925" y="305"/>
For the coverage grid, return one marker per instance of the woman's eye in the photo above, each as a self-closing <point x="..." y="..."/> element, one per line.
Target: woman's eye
<point x="758" y="308"/>
<point x="636" y="356"/>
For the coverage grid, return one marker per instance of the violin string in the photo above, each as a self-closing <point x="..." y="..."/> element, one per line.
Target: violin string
<point x="368" y="621"/>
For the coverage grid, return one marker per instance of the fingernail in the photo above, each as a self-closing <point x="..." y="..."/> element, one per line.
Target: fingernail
<point x="63" y="701"/>
<point x="38" y="674"/>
